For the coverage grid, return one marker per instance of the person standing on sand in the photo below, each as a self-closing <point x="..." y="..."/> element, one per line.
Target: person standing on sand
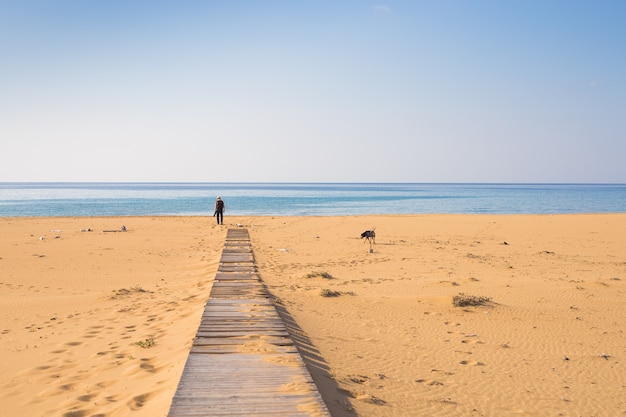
<point x="219" y="210"/>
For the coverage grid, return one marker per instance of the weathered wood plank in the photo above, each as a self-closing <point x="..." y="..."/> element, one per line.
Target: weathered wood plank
<point x="237" y="276"/>
<point x="239" y="347"/>
<point x="274" y="340"/>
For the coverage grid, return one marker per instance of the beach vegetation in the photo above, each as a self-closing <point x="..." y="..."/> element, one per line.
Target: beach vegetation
<point x="462" y="300"/>
<point x="319" y="274"/>
<point x="128" y="291"/>
<point x="146" y="343"/>
<point x="329" y="293"/>
<point x="121" y="292"/>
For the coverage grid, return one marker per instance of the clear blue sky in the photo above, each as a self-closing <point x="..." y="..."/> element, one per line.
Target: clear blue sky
<point x="313" y="91"/>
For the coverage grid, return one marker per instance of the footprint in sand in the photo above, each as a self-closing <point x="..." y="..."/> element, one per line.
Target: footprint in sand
<point x="87" y="397"/>
<point x="76" y="413"/>
<point x="147" y="366"/>
<point x="139" y="401"/>
<point x="471" y="341"/>
<point x="93" y="333"/>
<point x="472" y="363"/>
<point x="138" y="369"/>
<point x="112" y="398"/>
<point x="430" y="382"/>
<point x="67" y="387"/>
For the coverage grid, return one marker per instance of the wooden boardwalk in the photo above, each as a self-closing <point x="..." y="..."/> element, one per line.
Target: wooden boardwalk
<point x="243" y="361"/>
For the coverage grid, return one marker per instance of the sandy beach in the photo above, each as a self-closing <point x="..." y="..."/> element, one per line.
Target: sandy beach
<point x="98" y="322"/>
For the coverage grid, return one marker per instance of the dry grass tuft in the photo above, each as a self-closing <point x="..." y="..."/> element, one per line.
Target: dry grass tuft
<point x="329" y="293"/>
<point x="147" y="343"/>
<point x="463" y="300"/>
<point x="320" y="274"/>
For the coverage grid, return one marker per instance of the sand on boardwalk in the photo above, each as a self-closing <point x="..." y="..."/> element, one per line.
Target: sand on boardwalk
<point x="99" y="323"/>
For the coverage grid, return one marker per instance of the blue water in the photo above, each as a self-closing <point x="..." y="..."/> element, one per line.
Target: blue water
<point x="282" y="199"/>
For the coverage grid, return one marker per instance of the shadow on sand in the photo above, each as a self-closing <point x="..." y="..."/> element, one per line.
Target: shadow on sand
<point x="337" y="401"/>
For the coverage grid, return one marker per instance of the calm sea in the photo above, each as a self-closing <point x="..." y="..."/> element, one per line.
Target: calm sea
<point x="309" y="199"/>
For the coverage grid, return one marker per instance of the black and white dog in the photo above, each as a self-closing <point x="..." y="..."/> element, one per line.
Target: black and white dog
<point x="369" y="235"/>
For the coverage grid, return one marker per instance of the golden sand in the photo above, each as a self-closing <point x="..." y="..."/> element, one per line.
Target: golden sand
<point x="99" y="323"/>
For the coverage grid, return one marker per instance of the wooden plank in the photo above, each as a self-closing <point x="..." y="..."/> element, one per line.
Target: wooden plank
<point x="242" y="321"/>
<point x="237" y="276"/>
<point x="239" y="348"/>
<point x="264" y="319"/>
<point x="236" y="257"/>
<point x="237" y="268"/>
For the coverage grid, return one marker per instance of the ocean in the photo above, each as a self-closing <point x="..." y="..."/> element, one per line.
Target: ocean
<point x="305" y="199"/>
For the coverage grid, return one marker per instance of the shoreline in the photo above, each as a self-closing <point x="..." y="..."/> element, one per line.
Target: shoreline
<point x="245" y="199"/>
<point x="76" y="308"/>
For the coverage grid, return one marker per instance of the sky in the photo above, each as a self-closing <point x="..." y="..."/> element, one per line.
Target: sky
<point x="313" y="91"/>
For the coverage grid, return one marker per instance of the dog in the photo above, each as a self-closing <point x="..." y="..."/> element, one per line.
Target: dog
<point x="369" y="235"/>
